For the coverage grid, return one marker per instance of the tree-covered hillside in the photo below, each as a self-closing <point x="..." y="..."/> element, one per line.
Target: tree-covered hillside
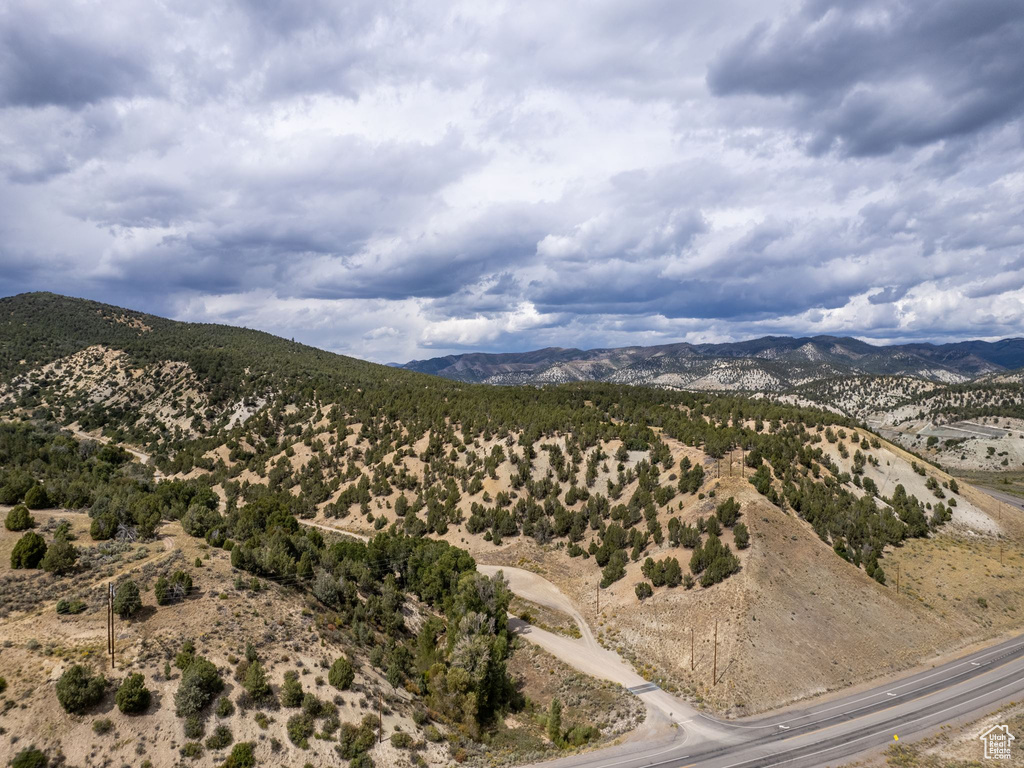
<point x="233" y="417"/>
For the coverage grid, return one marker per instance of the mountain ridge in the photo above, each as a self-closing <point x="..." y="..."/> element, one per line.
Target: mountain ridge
<point x="752" y="364"/>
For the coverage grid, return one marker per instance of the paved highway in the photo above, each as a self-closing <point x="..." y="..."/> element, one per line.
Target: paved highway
<point x="830" y="732"/>
<point x="1007" y="498"/>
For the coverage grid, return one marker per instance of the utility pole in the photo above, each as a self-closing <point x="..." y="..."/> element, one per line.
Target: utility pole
<point x="714" y="668"/>
<point x="661" y="639"/>
<point x="897" y="578"/>
<point x="380" y="719"/>
<point x="599" y="600"/>
<point x="692" y="665"/>
<point x="110" y="623"/>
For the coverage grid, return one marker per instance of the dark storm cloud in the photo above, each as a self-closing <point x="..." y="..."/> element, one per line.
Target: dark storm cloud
<point x="41" y="65"/>
<point x="867" y="78"/>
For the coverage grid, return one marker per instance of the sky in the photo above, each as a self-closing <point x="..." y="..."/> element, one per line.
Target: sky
<point x="403" y="180"/>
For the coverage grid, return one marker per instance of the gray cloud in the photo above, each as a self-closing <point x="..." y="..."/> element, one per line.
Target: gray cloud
<point x="43" y="64"/>
<point x="868" y="78"/>
<point x="396" y="180"/>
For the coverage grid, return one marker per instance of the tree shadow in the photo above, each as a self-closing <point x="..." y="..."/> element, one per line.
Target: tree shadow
<point x="145" y="612"/>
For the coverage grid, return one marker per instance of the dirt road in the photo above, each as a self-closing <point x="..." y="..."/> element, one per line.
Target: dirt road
<point x="333" y="529"/>
<point x="588" y="656"/>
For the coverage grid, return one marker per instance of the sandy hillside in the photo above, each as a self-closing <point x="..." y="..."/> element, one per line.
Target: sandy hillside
<point x="223" y="615"/>
<point x="797" y="620"/>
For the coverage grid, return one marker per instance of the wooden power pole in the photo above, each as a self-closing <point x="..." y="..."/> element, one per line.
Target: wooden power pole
<point x="110" y="623"/>
<point x="897" y="578"/>
<point x="692" y="665"/>
<point x="380" y="719"/>
<point x="661" y="639"/>
<point x="714" y="668"/>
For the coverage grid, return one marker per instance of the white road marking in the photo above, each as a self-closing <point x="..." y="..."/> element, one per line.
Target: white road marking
<point x="876" y="733"/>
<point x="872" y="695"/>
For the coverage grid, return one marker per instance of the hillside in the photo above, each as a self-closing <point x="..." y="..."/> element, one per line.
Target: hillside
<point x="780" y="521"/>
<point x="771" y="363"/>
<point x="943" y="400"/>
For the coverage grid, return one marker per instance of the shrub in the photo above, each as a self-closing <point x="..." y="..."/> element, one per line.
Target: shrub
<point x="194" y="728"/>
<point x="102" y="726"/>
<point x="60" y="558"/>
<point x="178" y="587"/>
<point x="313" y="707"/>
<point x="186" y="655"/>
<point x="401" y="740"/>
<point x="615" y="569"/>
<point x="65" y="606"/>
<point x="341" y="674"/>
<point x="581" y="734"/>
<point x="19" y="519"/>
<point x="161" y="590"/>
<point x="224" y="707"/>
<point x="127" y="601"/>
<point x="353" y="741"/>
<point x="300" y="728"/>
<point x="291" y="691"/>
<point x="197" y="520"/>
<point x="255" y="682"/>
<point x="103" y="526"/>
<point x="37" y="498"/>
<point x="741" y="535"/>
<point x="29" y="551"/>
<point x="200" y="682"/>
<point x="221" y="738"/>
<point x="555" y="721"/>
<point x="728" y="512"/>
<point x="3" y="684"/>
<point x="192" y="750"/>
<point x="643" y="590"/>
<point x="78" y="689"/>
<point x="30" y="758"/>
<point x="242" y="756"/>
<point x="133" y="696"/>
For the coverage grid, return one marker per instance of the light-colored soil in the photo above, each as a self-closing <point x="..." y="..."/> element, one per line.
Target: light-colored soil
<point x="798" y="621"/>
<point x="38" y="644"/>
<point x="585" y="700"/>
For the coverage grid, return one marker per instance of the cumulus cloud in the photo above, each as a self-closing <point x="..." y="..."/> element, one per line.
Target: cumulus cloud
<point x="395" y="180"/>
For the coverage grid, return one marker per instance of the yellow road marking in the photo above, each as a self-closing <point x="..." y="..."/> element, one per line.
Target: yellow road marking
<point x="885" y="709"/>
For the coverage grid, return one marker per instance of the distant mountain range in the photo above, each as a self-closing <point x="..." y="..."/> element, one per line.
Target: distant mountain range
<point x="770" y="364"/>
